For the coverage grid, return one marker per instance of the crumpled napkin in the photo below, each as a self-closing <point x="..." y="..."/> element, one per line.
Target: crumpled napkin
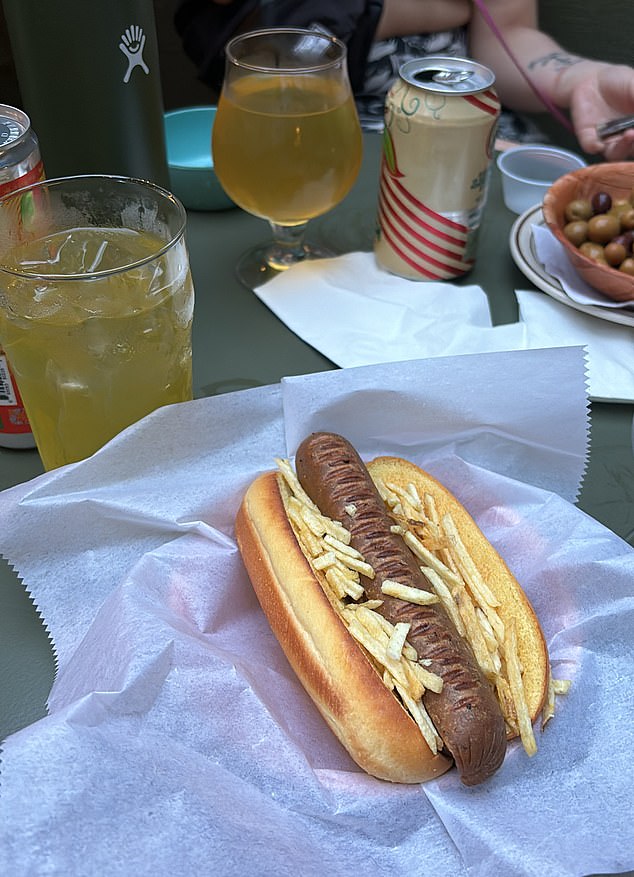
<point x="355" y="313"/>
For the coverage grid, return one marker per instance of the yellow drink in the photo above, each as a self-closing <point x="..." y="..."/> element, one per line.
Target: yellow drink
<point x="286" y="148"/>
<point x="93" y="355"/>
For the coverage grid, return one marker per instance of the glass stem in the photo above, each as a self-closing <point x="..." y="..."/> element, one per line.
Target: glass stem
<point x="288" y="246"/>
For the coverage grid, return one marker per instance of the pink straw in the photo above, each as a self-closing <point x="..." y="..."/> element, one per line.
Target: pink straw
<point x="554" y="110"/>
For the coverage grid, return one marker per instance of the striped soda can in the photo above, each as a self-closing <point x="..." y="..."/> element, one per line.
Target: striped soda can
<point x="440" y="122"/>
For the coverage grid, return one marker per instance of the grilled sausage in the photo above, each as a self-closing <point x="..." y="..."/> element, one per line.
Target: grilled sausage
<point x="466" y="713"/>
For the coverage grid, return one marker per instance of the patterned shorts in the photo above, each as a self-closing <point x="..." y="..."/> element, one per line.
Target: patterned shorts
<point x="387" y="56"/>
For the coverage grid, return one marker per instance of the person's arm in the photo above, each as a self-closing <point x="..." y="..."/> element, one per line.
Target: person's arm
<point x="593" y="91"/>
<point x="401" y="18"/>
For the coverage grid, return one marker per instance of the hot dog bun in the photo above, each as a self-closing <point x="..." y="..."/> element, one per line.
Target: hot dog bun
<point x="335" y="670"/>
<point x="365" y="716"/>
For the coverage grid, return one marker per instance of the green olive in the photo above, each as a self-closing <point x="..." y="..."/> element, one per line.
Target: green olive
<point x="622" y="205"/>
<point x="576" y="232"/>
<point x="593" y="251"/>
<point x="603" y="227"/>
<point x="627" y="219"/>
<point x="580" y="208"/>
<point x="627" y="266"/>
<point x="614" y="253"/>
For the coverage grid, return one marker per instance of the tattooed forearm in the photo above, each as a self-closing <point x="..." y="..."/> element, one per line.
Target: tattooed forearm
<point x="558" y="60"/>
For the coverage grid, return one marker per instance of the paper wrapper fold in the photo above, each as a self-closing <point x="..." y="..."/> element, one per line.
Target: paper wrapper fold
<point x="180" y="742"/>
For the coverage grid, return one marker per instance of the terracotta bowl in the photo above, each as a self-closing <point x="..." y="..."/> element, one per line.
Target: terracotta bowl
<point x="617" y="179"/>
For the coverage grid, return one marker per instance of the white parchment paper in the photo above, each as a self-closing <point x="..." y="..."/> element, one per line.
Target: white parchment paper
<point x="179" y="741"/>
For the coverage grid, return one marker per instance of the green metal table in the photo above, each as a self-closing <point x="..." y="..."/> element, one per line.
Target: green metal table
<point x="239" y="343"/>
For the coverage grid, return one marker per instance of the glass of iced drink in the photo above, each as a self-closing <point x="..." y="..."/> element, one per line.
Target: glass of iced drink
<point x="96" y="307"/>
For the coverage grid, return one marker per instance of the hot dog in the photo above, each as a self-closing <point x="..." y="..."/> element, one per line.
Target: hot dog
<point x="442" y="704"/>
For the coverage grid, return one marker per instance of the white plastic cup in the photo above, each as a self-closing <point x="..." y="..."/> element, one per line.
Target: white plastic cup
<point x="529" y="171"/>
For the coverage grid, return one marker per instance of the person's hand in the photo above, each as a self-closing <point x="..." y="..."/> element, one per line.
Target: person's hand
<point x="606" y="92"/>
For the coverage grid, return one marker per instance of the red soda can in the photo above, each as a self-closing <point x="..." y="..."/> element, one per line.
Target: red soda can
<point x="20" y="165"/>
<point x="15" y="429"/>
<point x="20" y="162"/>
<point x="440" y="121"/>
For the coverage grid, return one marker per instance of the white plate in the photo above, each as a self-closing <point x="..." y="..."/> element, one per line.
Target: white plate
<point x="524" y="256"/>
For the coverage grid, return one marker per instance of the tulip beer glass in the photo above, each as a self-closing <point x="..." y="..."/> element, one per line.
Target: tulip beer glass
<point x="286" y="139"/>
<point x="96" y="306"/>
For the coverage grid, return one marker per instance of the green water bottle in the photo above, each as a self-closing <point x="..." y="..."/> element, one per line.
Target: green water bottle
<point x="89" y="78"/>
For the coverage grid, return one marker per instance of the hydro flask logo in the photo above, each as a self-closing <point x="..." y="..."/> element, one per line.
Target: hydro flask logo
<point x="132" y="45"/>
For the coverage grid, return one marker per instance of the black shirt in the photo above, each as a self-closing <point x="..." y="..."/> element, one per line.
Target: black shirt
<point x="205" y="28"/>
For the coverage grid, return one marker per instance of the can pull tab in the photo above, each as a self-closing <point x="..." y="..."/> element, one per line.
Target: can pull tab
<point x="443" y="76"/>
<point x="450" y="77"/>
